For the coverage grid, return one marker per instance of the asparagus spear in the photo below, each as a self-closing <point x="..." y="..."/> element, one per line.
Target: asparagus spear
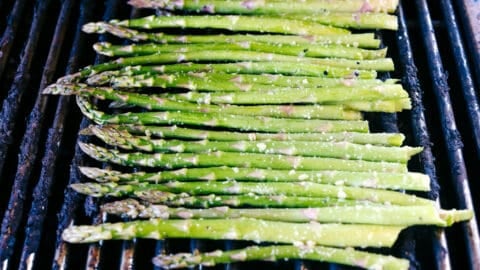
<point x="271" y="7"/>
<point x="307" y="50"/>
<point x="366" y="20"/>
<point x="168" y="132"/>
<point x="383" y="64"/>
<point x="363" y="40"/>
<point x="401" y="181"/>
<point x="309" y="72"/>
<point x="151" y="102"/>
<point x="249" y="160"/>
<point x="232" y="82"/>
<point x="233" y="23"/>
<point x="359" y="214"/>
<point x="340" y="235"/>
<point x="302" y="189"/>
<point x="184" y="72"/>
<point x="346" y="256"/>
<point x="243" y="200"/>
<point x="230" y="121"/>
<point x="339" y="108"/>
<point x="331" y="95"/>
<point x="344" y="150"/>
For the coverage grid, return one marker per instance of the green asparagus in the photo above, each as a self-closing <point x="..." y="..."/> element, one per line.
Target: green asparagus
<point x="202" y="75"/>
<point x="348" y="256"/>
<point x="359" y="214"/>
<point x="249" y="160"/>
<point x="331" y="95"/>
<point x="232" y="83"/>
<point x="366" y="20"/>
<point x="302" y="71"/>
<point x="243" y="200"/>
<point x="363" y="40"/>
<point x="234" y="23"/>
<point x="202" y="188"/>
<point x="151" y="102"/>
<point x="169" y="132"/>
<point x="307" y="50"/>
<point x="340" y="235"/>
<point x="399" y="181"/>
<point x="271" y="7"/>
<point x="383" y="64"/>
<point x="229" y="121"/>
<point x="343" y="150"/>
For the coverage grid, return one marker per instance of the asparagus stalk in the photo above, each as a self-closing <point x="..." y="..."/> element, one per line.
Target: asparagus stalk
<point x="343" y="150"/>
<point x="243" y="200"/>
<point x="169" y="132"/>
<point x="271" y="7"/>
<point x="383" y="64"/>
<point x="359" y="214"/>
<point x="232" y="82"/>
<point x="399" y="181"/>
<point x="309" y="72"/>
<point x="230" y="121"/>
<point x="248" y="160"/>
<point x="183" y="76"/>
<point x="202" y="74"/>
<point x="233" y="23"/>
<point x="331" y="95"/>
<point x="332" y="106"/>
<point x="151" y="102"/>
<point x="302" y="189"/>
<point x="365" y="20"/>
<point x="363" y="40"/>
<point x="347" y="256"/>
<point x="307" y="50"/>
<point x="340" y="235"/>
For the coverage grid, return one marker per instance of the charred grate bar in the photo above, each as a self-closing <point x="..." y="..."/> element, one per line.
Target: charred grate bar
<point x="36" y="205"/>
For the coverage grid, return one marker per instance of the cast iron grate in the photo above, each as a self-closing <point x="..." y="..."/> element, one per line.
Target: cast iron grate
<point x="436" y="54"/>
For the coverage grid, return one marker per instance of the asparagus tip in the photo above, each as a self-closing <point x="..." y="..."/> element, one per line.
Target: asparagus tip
<point x="61" y="89"/>
<point x="86" y="131"/>
<point x="70" y="79"/>
<point x="90" y="189"/>
<point x="85" y="234"/>
<point x="93" y="173"/>
<point x="102" y="48"/>
<point x="94" y="27"/>
<point x="128" y="208"/>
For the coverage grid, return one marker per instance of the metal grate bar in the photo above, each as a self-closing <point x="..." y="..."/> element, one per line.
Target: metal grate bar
<point x="13" y="214"/>
<point x="72" y="200"/>
<point x="30" y="147"/>
<point x="470" y="16"/>
<point x="464" y="71"/>
<point x="420" y="131"/>
<point x="10" y="32"/>
<point x="450" y="132"/>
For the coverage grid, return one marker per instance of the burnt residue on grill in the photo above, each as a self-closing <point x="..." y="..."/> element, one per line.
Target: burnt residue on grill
<point x="42" y="156"/>
<point x="10" y="32"/>
<point x="9" y="117"/>
<point x="29" y="149"/>
<point x="410" y="80"/>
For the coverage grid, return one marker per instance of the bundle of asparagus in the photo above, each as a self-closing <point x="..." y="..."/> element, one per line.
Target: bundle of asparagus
<point x="254" y="132"/>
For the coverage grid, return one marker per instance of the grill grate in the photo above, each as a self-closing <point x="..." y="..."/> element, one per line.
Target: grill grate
<point x="38" y="159"/>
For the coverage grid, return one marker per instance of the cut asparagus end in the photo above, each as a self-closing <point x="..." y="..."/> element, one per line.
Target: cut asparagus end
<point x="453" y="216"/>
